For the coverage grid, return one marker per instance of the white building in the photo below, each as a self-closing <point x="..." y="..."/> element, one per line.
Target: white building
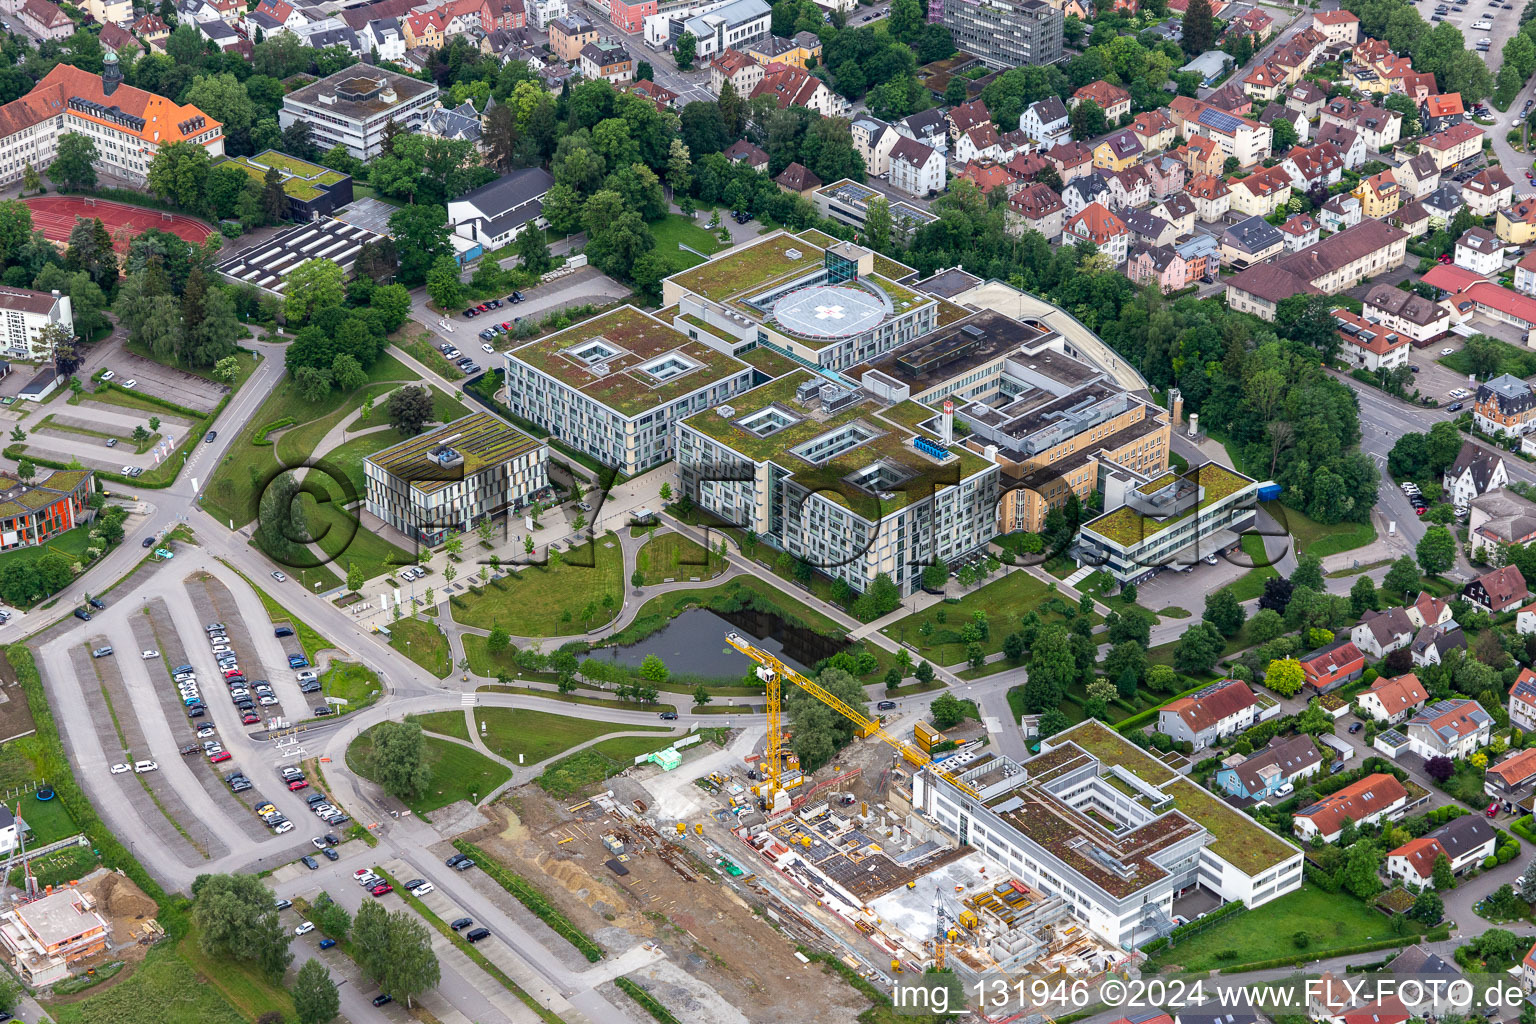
<point x="1220" y="710"/>
<point x="1449" y="728"/>
<point x="24" y="314"/>
<point x="1480" y="251"/>
<point x="352" y="107"/>
<point x="916" y="169"/>
<point x="1047" y="122"/>
<point x="493" y="214"/>
<point x="1034" y="818"/>
<point x="1392" y="700"/>
<point x="1476" y="471"/>
<point x="542" y="12"/>
<point x="1372" y="799"/>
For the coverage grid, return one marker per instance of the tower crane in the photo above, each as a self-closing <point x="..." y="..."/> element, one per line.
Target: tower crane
<point x="774" y="673"/>
<point x="941" y="925"/>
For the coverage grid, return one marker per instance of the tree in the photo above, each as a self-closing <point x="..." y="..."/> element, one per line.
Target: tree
<point x="1402" y="578"/>
<point x="820" y="732"/>
<point x="421" y="236"/>
<point x="315" y="999"/>
<point x="947" y="711"/>
<point x="1224" y="611"/>
<point x="1285" y="676"/>
<point x="397" y="760"/>
<point x="1277" y="594"/>
<point x="179" y="174"/>
<point x="1444" y="878"/>
<point x="1088" y="118"/>
<point x="1199" y="28"/>
<point x="26" y="469"/>
<point x="1052" y="669"/>
<point x="409" y="409"/>
<point x="236" y="918"/>
<point x="1308" y="573"/>
<point x="75" y="165"/>
<point x="313" y="286"/>
<point x="1436" y="550"/>
<point x="443" y="282"/>
<point x="1362" y="597"/>
<point x="1198" y="649"/>
<point x="274" y="198"/>
<point x="1128" y="658"/>
<point x="533" y="251"/>
<point x="1439" y="768"/>
<point x="686" y="49"/>
<point x="1427" y="908"/>
<point x="654" y="669"/>
<point x="923" y="673"/>
<point x="1359" y="873"/>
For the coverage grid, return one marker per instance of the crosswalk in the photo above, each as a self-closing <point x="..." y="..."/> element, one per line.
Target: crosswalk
<point x="469" y="700"/>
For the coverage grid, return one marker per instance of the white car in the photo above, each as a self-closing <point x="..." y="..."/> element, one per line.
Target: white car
<point x="1285" y="790"/>
<point x="286" y="826"/>
<point x="119" y="769"/>
<point x="318" y="842"/>
<point x="206" y="731"/>
<point x="130" y="383"/>
<point x="489" y="347"/>
<point x="305" y="928"/>
<point x="108" y="375"/>
<point x="127" y="471"/>
<point x="145" y="766"/>
<point x="1446" y="351"/>
<point x="369" y="880"/>
<point x="279" y="577"/>
<point x="267" y="702"/>
<point x="146" y="655"/>
<point x="423" y="889"/>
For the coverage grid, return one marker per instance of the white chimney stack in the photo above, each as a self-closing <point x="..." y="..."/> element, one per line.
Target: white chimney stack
<point x="947" y="423"/>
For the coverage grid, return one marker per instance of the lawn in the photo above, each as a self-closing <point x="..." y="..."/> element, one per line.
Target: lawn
<point x="1250" y="585"/>
<point x="1330" y="920"/>
<point x="340" y="534"/>
<point x="1314" y="538"/>
<point x="423" y="643"/>
<point x="594" y="764"/>
<point x="347" y="457"/>
<point x="164" y="989"/>
<point x="47" y="819"/>
<point x="676" y="229"/>
<point x="1512" y="359"/>
<point x="241" y="983"/>
<point x="483" y="663"/>
<point x="71" y="543"/>
<point x="458" y="772"/>
<point x="445" y="723"/>
<point x="444" y="409"/>
<point x="539" y="735"/>
<point x="234" y="492"/>
<point x="544" y="601"/>
<point x="675" y="557"/>
<point x="356" y="684"/>
<point x="1004" y="600"/>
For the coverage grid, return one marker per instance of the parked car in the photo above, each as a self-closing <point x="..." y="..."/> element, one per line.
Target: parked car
<point x="478" y="934"/>
<point x="305" y="928"/>
<point x="327" y="943"/>
<point x="461" y="924"/>
<point x="101" y="652"/>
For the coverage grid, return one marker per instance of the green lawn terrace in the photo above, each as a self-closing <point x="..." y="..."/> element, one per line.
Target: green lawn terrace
<point x="305" y="183"/>
<point x="1236" y="838"/>
<point x="884" y="437"/>
<point x="1126" y="526"/>
<point x="629" y="361"/>
<point x="479" y="440"/>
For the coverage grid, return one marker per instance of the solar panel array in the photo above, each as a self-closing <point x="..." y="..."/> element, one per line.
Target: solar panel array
<point x="268" y="264"/>
<point x="1220" y="120"/>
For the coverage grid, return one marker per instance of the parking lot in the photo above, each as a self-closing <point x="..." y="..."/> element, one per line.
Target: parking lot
<point x="1502" y="18"/>
<point x="127" y="707"/>
<point x="98" y="434"/>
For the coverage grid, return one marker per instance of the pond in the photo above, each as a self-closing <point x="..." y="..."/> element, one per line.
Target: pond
<point x="694" y="643"/>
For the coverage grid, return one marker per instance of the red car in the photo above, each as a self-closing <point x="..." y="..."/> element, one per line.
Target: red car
<point x="482" y="307"/>
<point x="249" y="718"/>
<point x="296" y="785"/>
<point x="382" y="888"/>
<point x="1419" y="510"/>
<point x="222" y="755"/>
<point x="230" y="674"/>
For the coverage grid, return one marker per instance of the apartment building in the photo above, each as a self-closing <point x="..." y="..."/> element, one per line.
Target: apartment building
<point x="1505" y="403"/>
<point x="352" y="108"/>
<point x="23" y="316"/>
<point x="1337" y="262"/>
<point x="1406" y="313"/>
<point x="1522" y="700"/>
<point x="1449" y="728"/>
<point x="455" y="477"/>
<point x="1238" y="137"/>
<point x="1453" y="145"/>
<point x="1006" y="33"/>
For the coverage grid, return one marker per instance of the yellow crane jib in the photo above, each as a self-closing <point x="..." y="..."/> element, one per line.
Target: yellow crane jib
<point x="774" y="673"/>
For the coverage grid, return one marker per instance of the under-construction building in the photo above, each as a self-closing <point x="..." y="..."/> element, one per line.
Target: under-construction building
<point x="45" y="937"/>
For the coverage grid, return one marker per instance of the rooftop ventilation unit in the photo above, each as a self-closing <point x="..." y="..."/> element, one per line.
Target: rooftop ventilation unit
<point x="972" y="331"/>
<point x="793" y="254"/>
<point x="601" y="369"/>
<point x="445" y="456"/>
<point x="726" y="411"/>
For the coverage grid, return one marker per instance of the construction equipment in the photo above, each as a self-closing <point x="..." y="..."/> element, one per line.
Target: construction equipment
<point x="774" y="673"/>
<point x="940" y="929"/>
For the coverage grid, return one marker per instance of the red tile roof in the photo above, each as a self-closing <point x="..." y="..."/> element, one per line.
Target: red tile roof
<point x="1421" y="854"/>
<point x="1335" y="17"/>
<point x="1444" y="104"/>
<point x="1355" y="802"/>
<point x="1209" y="707"/>
<point x="1096" y="224"/>
<point x="1517" y="768"/>
<point x="164" y="120"/>
<point x="1102" y="93"/>
<point x="1399" y="693"/>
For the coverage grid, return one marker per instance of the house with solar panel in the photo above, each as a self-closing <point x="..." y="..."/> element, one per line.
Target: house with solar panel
<point x="455" y="477"/>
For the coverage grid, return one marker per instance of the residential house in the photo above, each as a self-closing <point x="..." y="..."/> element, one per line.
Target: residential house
<point x="1311" y="167"/>
<point x="1500" y="519"/>
<point x="1113" y="100"/>
<point x="1036" y="207"/>
<point x="928" y="127"/>
<point x="1218" y="711"/>
<point x="743" y="152"/>
<point x="1211" y="196"/>
<point x="1512" y="779"/>
<point x="1300" y="230"/>
<point x="386" y="36"/>
<point x="1369" y="345"/>
<point x="1246" y="141"/>
<point x="1418" y="86"/>
<point x="797" y="87"/>
<point x="1417" y="176"/>
<point x="1162" y="264"/>
<point x="1449" y="728"/>
<point x="1261" y="193"/>
<point x="607" y="59"/>
<point x="1263" y="774"/>
<point x="1412" y="218"/>
<point x="1090" y="188"/>
<point x="744" y="73"/>
<point x="1047" y="122"/>
<point x="1071" y="160"/>
<point x="1516" y="225"/>
<point x="1525" y="277"/>
<point x="1339" y="28"/>
<point x="1147" y="228"/>
<point x="1450" y="147"/>
<point x="1265" y="82"/>
<point x="1231" y="99"/>
<point x="153" y="30"/>
<point x="962" y="118"/>
<point x="1250" y="242"/>
<point x="1129" y="188"/>
<point x="1376" y="797"/>
<point x="1179" y="211"/>
<point x="1202" y="156"/>
<point x="916" y="169"/>
<point x="1381" y="632"/>
<point x="1378" y="195"/>
<point x="46" y="20"/>
<point x="1349" y="142"/>
<point x="664" y="98"/>
<point x="1488" y="191"/>
<point x="1498" y="590"/>
<point x="1331" y="666"/>
<point x="873" y="140"/>
<point x="1391" y="700"/>
<point x="1306" y="98"/>
<point x="1097" y="225"/>
<point x="979" y="142"/>
<point x="1441" y="111"/>
<point x="986" y="175"/>
<point x="567" y="35"/>
<point x="1522" y="701"/>
<point x="1118" y="151"/>
<point x="1279" y="112"/>
<point x="1432" y="643"/>
<point x="1505" y="403"/>
<point x="1253" y="23"/>
<point x="1463" y="841"/>
<point x="1476" y="471"/>
<point x="797" y="180"/>
<point x="1155" y="129"/>
<point x="424" y="28"/>
<point x="1525" y="620"/>
<point x="1027" y="166"/>
<point x="1332" y="265"/>
<point x="1409" y="314"/>
<point x="1429" y="610"/>
<point x="1444" y="202"/>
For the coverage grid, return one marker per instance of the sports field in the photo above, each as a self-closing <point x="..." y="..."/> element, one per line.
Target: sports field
<point x="55" y="217"/>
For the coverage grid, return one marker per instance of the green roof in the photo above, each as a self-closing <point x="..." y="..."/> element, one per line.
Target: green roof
<point x="1125" y="526"/>
<point x="774" y="364"/>
<point x="301" y="179"/>
<point x="482" y="439"/>
<point x="750" y="266"/>
<point x="890" y="443"/>
<point x="1237" y="838"/>
<point x="637" y="339"/>
<point x="25" y="499"/>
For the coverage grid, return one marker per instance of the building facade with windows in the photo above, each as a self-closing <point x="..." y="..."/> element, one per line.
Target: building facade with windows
<point x="452" y="478"/>
<point x="1005" y="33"/>
<point x="352" y="108"/>
<point x="33" y="513"/>
<point x="23" y="316"/>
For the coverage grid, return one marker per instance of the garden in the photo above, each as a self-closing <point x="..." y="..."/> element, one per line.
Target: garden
<point x="939" y="632"/>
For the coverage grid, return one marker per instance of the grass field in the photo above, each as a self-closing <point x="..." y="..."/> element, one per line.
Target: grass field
<point x="234" y="490"/>
<point x="540" y="601"/>
<point x="539" y="735"/>
<point x="568" y="775"/>
<point x="341" y="536"/>
<point x="674" y="229"/>
<point x="445" y="723"/>
<point x="242" y="984"/>
<point x="164" y="989"/>
<point x="673" y="556"/>
<point x="420" y="349"/>
<point x="47" y="819"/>
<point x="1314" y="538"/>
<point x="357" y="684"/>
<point x="482" y="663"/>
<point x="458" y="772"/>
<point x="1251" y="584"/>
<point x="423" y="643"/>
<point x="444" y="408"/>
<point x="1004" y="601"/>
<point x="347" y="457"/>
<point x="71" y="543"/>
<point x="1329" y="920"/>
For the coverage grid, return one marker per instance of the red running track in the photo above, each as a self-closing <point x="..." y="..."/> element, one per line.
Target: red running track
<point x="55" y="217"/>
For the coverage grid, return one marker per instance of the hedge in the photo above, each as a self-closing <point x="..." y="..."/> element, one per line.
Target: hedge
<point x="1147" y="715"/>
<point x="646" y="1000"/>
<point x="533" y="899"/>
<point x="1522" y="828"/>
<point x="260" y="437"/>
<point x="1195" y="927"/>
<point x="1439" y="934"/>
<point x="55" y="765"/>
